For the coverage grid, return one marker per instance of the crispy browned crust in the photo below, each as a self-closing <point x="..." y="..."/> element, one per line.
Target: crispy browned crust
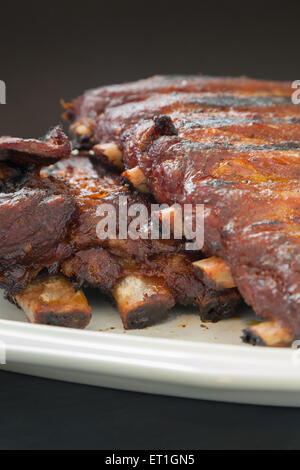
<point x="75" y="319"/>
<point x="219" y="306"/>
<point x="95" y="185"/>
<point x="94" y="267"/>
<point x="34" y="219"/>
<point x="85" y="110"/>
<point x="55" y="145"/>
<point x="34" y="213"/>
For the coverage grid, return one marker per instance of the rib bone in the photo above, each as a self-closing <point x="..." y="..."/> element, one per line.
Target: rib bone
<point x="215" y="272"/>
<point x="52" y="300"/>
<point x="112" y="153"/>
<point x="137" y="178"/>
<point x="142" y="301"/>
<point x="269" y="333"/>
<point x="83" y="129"/>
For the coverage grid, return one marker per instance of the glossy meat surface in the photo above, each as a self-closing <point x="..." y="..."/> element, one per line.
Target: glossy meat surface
<point x="54" y="146"/>
<point x="106" y="112"/>
<point x="235" y="148"/>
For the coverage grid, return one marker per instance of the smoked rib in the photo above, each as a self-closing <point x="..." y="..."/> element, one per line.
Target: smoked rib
<point x="144" y="277"/>
<point x="48" y="224"/>
<point x="230" y="144"/>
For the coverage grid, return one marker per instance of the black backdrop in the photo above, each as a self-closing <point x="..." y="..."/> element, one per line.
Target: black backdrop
<point x="53" y="50"/>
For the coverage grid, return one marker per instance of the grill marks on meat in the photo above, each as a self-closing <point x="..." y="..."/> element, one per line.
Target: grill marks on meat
<point x="109" y="110"/>
<point x="252" y="220"/>
<point x="94" y="102"/>
<point x="237" y="151"/>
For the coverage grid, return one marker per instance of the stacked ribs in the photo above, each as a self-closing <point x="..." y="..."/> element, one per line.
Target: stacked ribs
<point x="51" y="250"/>
<point x="232" y="145"/>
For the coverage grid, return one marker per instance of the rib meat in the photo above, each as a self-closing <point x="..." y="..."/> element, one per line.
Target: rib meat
<point x="96" y="112"/>
<point x="35" y="213"/>
<point x="48" y="223"/>
<point x="230" y="144"/>
<point x="144" y="277"/>
<point x="54" y="146"/>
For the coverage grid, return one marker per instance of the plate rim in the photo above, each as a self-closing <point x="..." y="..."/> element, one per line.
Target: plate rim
<point x="173" y="361"/>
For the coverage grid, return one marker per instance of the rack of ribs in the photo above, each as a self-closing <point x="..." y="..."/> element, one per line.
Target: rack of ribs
<point x="230" y="144"/>
<point x="50" y="248"/>
<point x="35" y="216"/>
<point x="144" y="277"/>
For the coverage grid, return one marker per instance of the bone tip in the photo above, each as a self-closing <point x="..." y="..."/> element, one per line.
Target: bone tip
<point x="78" y="319"/>
<point x="82" y="130"/>
<point x="52" y="300"/>
<point x="142" y="301"/>
<point x="137" y="178"/>
<point x="214" y="272"/>
<point x="268" y="333"/>
<point x="250" y="337"/>
<point x="148" y="313"/>
<point x="111" y="153"/>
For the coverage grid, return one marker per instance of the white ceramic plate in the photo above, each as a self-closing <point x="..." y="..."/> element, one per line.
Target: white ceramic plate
<point x="180" y="356"/>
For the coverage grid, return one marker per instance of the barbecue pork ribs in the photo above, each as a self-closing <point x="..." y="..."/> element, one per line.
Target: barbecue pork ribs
<point x="48" y="222"/>
<point x="35" y="213"/>
<point x="230" y="144"/>
<point x="144" y="277"/>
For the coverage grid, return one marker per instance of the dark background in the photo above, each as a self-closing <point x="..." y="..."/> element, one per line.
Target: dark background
<point x="54" y="50"/>
<point x="42" y="414"/>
